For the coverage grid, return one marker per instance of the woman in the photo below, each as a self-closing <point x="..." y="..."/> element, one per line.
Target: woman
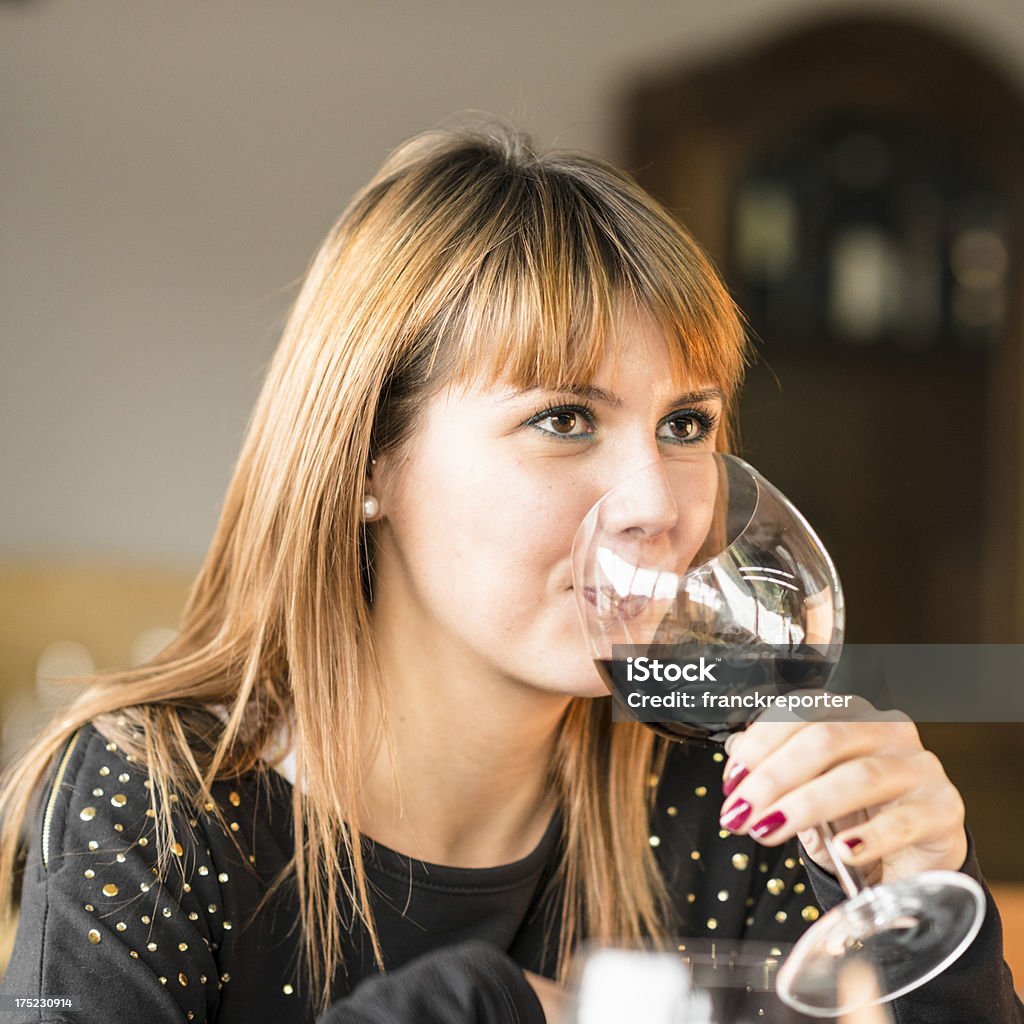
<point x="378" y="751"/>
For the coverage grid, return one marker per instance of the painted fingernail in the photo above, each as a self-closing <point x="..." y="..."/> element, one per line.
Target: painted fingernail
<point x="735" y="815"/>
<point x="734" y="775"/>
<point x="852" y="843"/>
<point x="768" y="824"/>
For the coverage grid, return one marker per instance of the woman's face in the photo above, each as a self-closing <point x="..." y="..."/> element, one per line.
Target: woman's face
<point x="479" y="514"/>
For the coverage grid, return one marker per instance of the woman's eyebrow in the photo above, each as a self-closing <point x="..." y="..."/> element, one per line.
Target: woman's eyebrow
<point x="599" y="394"/>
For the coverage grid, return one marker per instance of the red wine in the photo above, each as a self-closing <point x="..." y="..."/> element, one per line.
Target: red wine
<point x="723" y="689"/>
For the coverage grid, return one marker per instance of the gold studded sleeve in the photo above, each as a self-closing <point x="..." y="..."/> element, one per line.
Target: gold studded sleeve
<point x="99" y="926"/>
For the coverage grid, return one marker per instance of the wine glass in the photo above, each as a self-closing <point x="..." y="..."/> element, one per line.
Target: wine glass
<point x="697" y="569"/>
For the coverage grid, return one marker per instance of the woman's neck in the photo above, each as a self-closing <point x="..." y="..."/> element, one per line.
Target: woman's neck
<point x="466" y="783"/>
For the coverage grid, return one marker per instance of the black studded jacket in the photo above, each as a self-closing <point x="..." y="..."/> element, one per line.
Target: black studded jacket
<point x="100" y="928"/>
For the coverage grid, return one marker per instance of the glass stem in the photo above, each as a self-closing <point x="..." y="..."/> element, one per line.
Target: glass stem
<point x="849" y="877"/>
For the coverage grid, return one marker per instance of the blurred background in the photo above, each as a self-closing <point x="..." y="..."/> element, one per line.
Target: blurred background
<point x="856" y="171"/>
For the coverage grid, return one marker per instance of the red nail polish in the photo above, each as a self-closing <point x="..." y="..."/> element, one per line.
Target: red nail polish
<point x="853" y="843"/>
<point x="735" y="815"/>
<point x="734" y="776"/>
<point x="768" y="824"/>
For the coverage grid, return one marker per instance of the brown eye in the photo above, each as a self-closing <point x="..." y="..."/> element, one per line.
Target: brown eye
<point x="685" y="428"/>
<point x="563" y="422"/>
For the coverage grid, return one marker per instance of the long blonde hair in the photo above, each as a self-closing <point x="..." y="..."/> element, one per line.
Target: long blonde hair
<point x="468" y="256"/>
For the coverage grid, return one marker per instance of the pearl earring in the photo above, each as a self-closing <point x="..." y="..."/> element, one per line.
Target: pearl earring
<point x="371" y="507"/>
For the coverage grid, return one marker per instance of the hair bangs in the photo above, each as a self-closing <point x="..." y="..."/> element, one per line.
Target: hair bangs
<point x="555" y="298"/>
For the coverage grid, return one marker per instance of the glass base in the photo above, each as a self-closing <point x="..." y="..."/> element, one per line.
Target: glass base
<point x="906" y="932"/>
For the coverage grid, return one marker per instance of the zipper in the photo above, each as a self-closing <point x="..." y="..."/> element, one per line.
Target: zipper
<point x="51" y="803"/>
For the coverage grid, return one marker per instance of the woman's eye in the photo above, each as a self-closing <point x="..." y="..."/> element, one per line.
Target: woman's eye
<point x="563" y="422"/>
<point x="689" y="427"/>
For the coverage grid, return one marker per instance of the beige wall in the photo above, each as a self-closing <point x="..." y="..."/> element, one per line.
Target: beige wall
<point x="166" y="171"/>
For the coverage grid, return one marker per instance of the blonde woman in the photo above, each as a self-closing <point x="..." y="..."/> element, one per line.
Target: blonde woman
<point x="375" y="776"/>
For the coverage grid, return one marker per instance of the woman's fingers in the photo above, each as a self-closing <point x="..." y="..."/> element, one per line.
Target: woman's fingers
<point x="776" y="802"/>
<point x="826" y="741"/>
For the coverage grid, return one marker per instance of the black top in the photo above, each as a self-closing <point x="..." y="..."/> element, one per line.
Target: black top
<point x="98" y="926"/>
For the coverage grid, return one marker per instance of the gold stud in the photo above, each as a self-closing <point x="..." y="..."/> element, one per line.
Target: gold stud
<point x="654" y="841"/>
<point x="202" y="978"/>
<point x="88" y="872"/>
<point x="799" y="888"/>
<point x="763" y="868"/>
<point x="182" y="946"/>
<point x="133" y="954"/>
<point x="193" y="822"/>
<point x="111" y="747"/>
<point x="781" y="917"/>
<point x="718" y="756"/>
<point x="151" y="946"/>
<point x="118" y="827"/>
<point x="790" y="863"/>
<point x="749" y="901"/>
<point x="93" y="845"/>
<point x="166" y="911"/>
<point x="177" y="849"/>
<point x="110" y="889"/>
<point x="723" y="895"/>
<point x="203" y="869"/>
<point x="287" y="989"/>
<point x="234" y="826"/>
<point x="695" y="855"/>
<point x="712" y="923"/>
<point x="120" y="858"/>
<point x="208" y="806"/>
<point x="119" y="799"/>
<point x="672" y="811"/>
<point x="222" y="877"/>
<point x="143" y="841"/>
<point x="144" y="886"/>
<point x="123" y="777"/>
<point x="775" y="886"/>
<point x="182" y="980"/>
<point x="120" y="926"/>
<point x="652" y="780"/>
<point x="227" y="926"/>
<point x="234" y="798"/>
<point x="186" y="887"/>
<point x="146" y="919"/>
<point x="701" y="791"/>
<point x="94" y="936"/>
<point x="225" y="977"/>
<point x="104" y="770"/>
<point x="193" y="916"/>
<point x="691" y="898"/>
<point x="724" y="833"/>
<point x="212" y="908"/>
<point x="189" y="1015"/>
<point x="775" y="951"/>
<point x="148" y="783"/>
<point x="740" y="861"/>
<point x="89" y="907"/>
<point x="749" y="921"/>
<point x="87" y="813"/>
<point x="98" y="791"/>
<point x="150" y="813"/>
<point x="252" y="858"/>
<point x="809" y="913"/>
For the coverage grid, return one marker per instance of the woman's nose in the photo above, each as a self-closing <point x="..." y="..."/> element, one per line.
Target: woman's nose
<point x="642" y="504"/>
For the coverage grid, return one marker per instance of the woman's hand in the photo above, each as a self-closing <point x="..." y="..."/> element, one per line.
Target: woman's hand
<point x="554" y="998"/>
<point x="895" y="811"/>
